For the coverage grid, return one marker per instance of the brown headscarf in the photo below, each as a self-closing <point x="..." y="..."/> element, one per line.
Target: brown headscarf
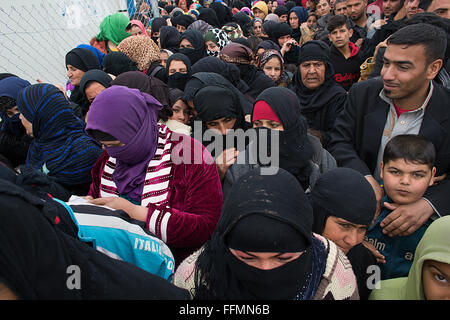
<point x="237" y="53"/>
<point x="141" y="49"/>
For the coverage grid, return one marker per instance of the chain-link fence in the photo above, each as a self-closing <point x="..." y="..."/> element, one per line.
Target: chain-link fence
<point x="35" y="35"/>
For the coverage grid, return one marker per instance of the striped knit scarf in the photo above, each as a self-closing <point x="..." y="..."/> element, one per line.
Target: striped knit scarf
<point x="157" y="178"/>
<point x="60" y="148"/>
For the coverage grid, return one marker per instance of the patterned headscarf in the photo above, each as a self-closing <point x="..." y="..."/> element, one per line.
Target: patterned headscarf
<point x="267" y="55"/>
<point x="141" y="49"/>
<point x="60" y="147"/>
<point x="233" y="30"/>
<point x="236" y="53"/>
<point x="219" y="37"/>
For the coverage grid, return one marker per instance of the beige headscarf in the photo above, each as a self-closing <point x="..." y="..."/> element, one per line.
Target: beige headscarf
<point x="141" y="49"/>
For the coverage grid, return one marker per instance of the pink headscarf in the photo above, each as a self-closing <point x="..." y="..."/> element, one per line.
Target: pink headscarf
<point x="141" y="26"/>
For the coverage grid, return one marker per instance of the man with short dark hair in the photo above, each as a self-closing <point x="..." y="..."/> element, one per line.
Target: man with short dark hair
<point x="344" y="54"/>
<point x="439" y="7"/>
<point x="404" y="101"/>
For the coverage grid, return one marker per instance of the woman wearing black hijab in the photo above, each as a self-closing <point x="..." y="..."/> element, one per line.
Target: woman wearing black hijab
<point x="78" y="61"/>
<point x="218" y="109"/>
<point x="209" y="16"/>
<point x="243" y="57"/>
<point x="321" y="100"/>
<point x="156" y="25"/>
<point x="244" y="21"/>
<point x="179" y="70"/>
<point x="281" y="259"/>
<point x="192" y="44"/>
<point x="344" y="206"/>
<point x="117" y="62"/>
<point x="228" y="70"/>
<point x="93" y="82"/>
<point x="282" y="35"/>
<point x="169" y="38"/>
<point x="281" y="129"/>
<point x="201" y="79"/>
<point x="223" y="13"/>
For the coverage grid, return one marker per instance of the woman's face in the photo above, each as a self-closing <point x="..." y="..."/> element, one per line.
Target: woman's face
<point x="273" y="125"/>
<point x="11" y="112"/>
<point x="293" y="20"/>
<point x="92" y="90"/>
<point x="272" y="69"/>
<point x="313" y="73"/>
<point x="180" y="112"/>
<point x="345" y="234"/>
<point x="163" y="56"/>
<point x="181" y="28"/>
<point x="74" y="75"/>
<point x="257" y="28"/>
<point x="111" y="144"/>
<point x="258" y="13"/>
<point x="135" y="30"/>
<point x="177" y="66"/>
<point x="436" y="280"/>
<point x="212" y="46"/>
<point x="222" y="125"/>
<point x="311" y="22"/>
<point x="186" y="44"/>
<point x="265" y="260"/>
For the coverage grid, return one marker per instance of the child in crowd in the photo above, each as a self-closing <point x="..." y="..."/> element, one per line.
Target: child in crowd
<point x="430" y="272"/>
<point x="344" y="54"/>
<point x="407" y="170"/>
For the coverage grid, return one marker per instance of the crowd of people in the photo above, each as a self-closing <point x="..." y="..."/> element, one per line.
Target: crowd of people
<point x="225" y="150"/>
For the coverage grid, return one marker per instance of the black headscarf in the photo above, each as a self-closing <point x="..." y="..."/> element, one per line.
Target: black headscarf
<point x="175" y="94"/>
<point x="295" y="150"/>
<point x="84" y="60"/>
<point x="96" y="76"/>
<point x="280" y="29"/>
<point x="178" y="79"/>
<point x="182" y="20"/>
<point x="223" y="12"/>
<point x="244" y="21"/>
<point x="209" y="15"/>
<point x="243" y="57"/>
<point x="280" y="10"/>
<point x="268" y="44"/>
<point x="156" y="25"/>
<point x="153" y="86"/>
<point x="117" y="62"/>
<point x="169" y="38"/>
<point x="195" y="37"/>
<point x="228" y="70"/>
<point x="278" y="206"/>
<point x="213" y="102"/>
<point x="34" y="262"/>
<point x="313" y="100"/>
<point x="342" y="193"/>
<point x="201" y="79"/>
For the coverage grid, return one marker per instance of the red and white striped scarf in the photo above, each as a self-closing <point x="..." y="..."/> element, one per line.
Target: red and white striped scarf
<point x="157" y="178"/>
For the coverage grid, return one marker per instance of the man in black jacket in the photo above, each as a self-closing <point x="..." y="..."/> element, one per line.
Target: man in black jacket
<point x="404" y="100"/>
<point x="344" y="54"/>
